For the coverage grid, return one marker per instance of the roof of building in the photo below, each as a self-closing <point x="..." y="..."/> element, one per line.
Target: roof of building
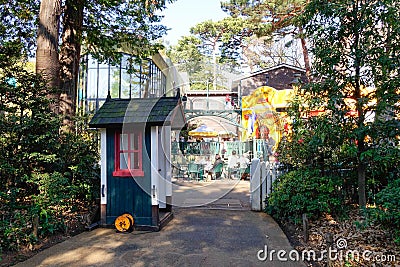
<point x="156" y="111"/>
<point x="279" y="66"/>
<point x="209" y="93"/>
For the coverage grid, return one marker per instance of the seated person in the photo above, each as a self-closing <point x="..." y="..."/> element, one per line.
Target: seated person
<point x="244" y="166"/>
<point x="207" y="167"/>
<point x="217" y="166"/>
<point x="233" y="162"/>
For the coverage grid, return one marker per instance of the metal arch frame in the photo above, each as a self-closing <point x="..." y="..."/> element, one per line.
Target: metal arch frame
<point x="225" y="114"/>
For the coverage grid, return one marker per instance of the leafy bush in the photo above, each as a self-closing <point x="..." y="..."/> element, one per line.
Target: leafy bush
<point x="388" y="201"/>
<point x="15" y="222"/>
<point x="78" y="159"/>
<point x="304" y="191"/>
<point x="387" y="209"/>
<point x="46" y="174"/>
<point x="53" y="200"/>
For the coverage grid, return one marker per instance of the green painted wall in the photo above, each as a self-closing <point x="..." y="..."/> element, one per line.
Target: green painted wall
<point x="125" y="194"/>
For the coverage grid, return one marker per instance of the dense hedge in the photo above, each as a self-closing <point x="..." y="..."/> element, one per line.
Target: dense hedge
<point x="387" y="209"/>
<point x="304" y="191"/>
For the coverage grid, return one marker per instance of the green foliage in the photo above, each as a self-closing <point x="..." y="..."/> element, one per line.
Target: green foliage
<point x="193" y="54"/>
<point x="185" y="132"/>
<point x="321" y="142"/>
<point x="133" y="24"/>
<point x="186" y="55"/>
<point x="18" y="18"/>
<point x="44" y="173"/>
<point x="78" y="161"/>
<point x="29" y="130"/>
<point x="304" y="191"/>
<point x="228" y="30"/>
<point x="225" y="37"/>
<point x="388" y="209"/>
<point x="356" y="48"/>
<point x="245" y="36"/>
<point x="357" y="89"/>
<point x="107" y="24"/>
<point x="53" y="198"/>
<point x="264" y="24"/>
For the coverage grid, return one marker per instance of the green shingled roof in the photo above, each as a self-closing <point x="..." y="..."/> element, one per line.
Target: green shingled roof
<point x="116" y="112"/>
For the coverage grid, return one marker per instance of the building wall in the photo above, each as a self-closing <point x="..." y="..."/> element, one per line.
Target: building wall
<point x="200" y="102"/>
<point x="279" y="78"/>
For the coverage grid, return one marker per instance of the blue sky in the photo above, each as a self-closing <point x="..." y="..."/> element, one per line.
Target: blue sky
<point x="181" y="15"/>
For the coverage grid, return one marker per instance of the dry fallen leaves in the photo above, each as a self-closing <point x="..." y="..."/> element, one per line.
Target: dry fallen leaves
<point x="366" y="244"/>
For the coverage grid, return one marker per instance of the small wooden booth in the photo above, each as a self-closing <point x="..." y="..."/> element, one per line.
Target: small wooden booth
<point x="136" y="158"/>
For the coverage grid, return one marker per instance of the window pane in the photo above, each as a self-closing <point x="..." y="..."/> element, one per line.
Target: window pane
<point x="125" y="61"/>
<point x="125" y="83"/>
<point x="103" y="83"/>
<point x="123" y="161"/>
<point x="92" y="63"/>
<point x="103" y="65"/>
<point x="135" y="160"/>
<point x="135" y="85"/>
<point x="145" y="78"/>
<point x="92" y="83"/>
<point x="134" y="141"/>
<point x="101" y="102"/>
<point x="123" y="142"/>
<point x="114" y="81"/>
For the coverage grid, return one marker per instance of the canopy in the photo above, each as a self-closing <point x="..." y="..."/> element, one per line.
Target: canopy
<point x="226" y="134"/>
<point x="203" y="131"/>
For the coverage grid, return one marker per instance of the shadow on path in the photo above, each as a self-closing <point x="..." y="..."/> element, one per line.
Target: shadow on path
<point x="195" y="237"/>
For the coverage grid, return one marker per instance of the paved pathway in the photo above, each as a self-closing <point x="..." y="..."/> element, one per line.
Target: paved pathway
<point x="205" y="235"/>
<point x="195" y="194"/>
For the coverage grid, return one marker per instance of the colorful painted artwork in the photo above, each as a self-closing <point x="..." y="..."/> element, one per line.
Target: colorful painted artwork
<point x="263" y="115"/>
<point x="260" y="118"/>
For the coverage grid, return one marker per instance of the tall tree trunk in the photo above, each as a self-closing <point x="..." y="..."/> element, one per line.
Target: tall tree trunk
<point x="305" y="54"/>
<point x="361" y="148"/>
<point x="70" y="58"/>
<point x="47" y="61"/>
<point x="214" y="58"/>
<point x="361" y="173"/>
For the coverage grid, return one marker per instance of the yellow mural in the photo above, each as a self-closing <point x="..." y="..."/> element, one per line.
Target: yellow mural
<point x="260" y="118"/>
